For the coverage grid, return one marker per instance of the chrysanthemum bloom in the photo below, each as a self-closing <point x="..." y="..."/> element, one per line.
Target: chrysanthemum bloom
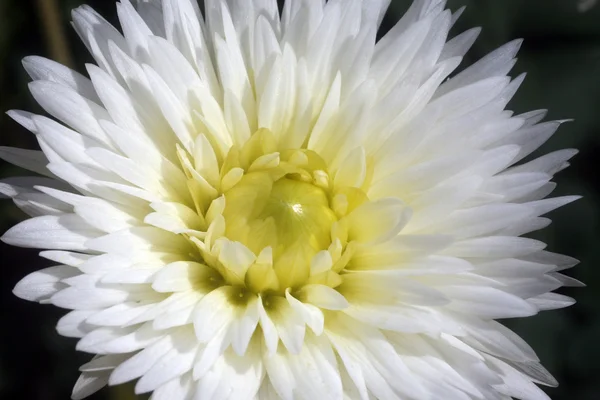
<point x="245" y="205"/>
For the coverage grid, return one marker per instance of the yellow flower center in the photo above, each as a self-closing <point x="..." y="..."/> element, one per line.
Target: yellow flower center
<point x="289" y="216"/>
<point x="285" y="214"/>
<point x="271" y="220"/>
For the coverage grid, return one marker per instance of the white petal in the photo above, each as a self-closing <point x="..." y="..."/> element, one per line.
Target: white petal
<point x="173" y="364"/>
<point x="378" y="221"/>
<point x="178" y="388"/>
<point x="271" y="337"/>
<point x="324" y="297"/>
<point x="371" y="361"/>
<point x="517" y="384"/>
<point x="129" y="241"/>
<point x="119" y="340"/>
<point x="96" y="34"/>
<point x="42" y="284"/>
<point x="65" y="257"/>
<point x="495" y="246"/>
<point x="353" y="169"/>
<point x="135" y="30"/>
<point x="43" y="69"/>
<point x="236" y="258"/>
<point x="487" y="302"/>
<point x="232" y="377"/>
<point x="313" y="316"/>
<point x="460" y="44"/>
<point x="178" y="277"/>
<point x="32" y="160"/>
<point x="244" y="327"/>
<point x="68" y="232"/>
<point x="290" y="327"/>
<point x="313" y="372"/>
<point x="71" y="108"/>
<point x="118" y="315"/>
<point x="213" y="313"/>
<point x="73" y="324"/>
<point x="89" y="383"/>
<point x="551" y="301"/>
<point x="88" y="298"/>
<point x="140" y="363"/>
<point x="497" y="63"/>
<point x="103" y="363"/>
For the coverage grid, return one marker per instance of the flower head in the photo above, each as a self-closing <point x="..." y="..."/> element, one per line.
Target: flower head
<point x="244" y="205"/>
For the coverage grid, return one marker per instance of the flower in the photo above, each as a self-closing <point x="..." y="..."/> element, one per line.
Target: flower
<point x="249" y="206"/>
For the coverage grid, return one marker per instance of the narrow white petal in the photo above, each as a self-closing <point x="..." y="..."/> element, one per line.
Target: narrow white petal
<point x="74" y="323"/>
<point x="32" y="160"/>
<point x="378" y="221"/>
<point x="313" y="316"/>
<point x="140" y="363"/>
<point x="71" y="108"/>
<point x="67" y="232"/>
<point x="213" y="313"/>
<point x="243" y="329"/>
<point x="288" y="324"/>
<point x="42" y="284"/>
<point x="43" y="69"/>
<point x="89" y="383"/>
<point x="324" y="297"/>
<point x="104" y="363"/>
<point x="175" y="363"/>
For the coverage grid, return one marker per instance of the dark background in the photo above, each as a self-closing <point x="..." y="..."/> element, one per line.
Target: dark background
<point x="561" y="54"/>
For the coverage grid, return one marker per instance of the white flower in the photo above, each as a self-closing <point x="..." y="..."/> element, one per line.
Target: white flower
<point x="249" y="206"/>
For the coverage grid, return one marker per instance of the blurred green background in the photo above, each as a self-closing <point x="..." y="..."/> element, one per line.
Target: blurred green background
<point x="561" y="54"/>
